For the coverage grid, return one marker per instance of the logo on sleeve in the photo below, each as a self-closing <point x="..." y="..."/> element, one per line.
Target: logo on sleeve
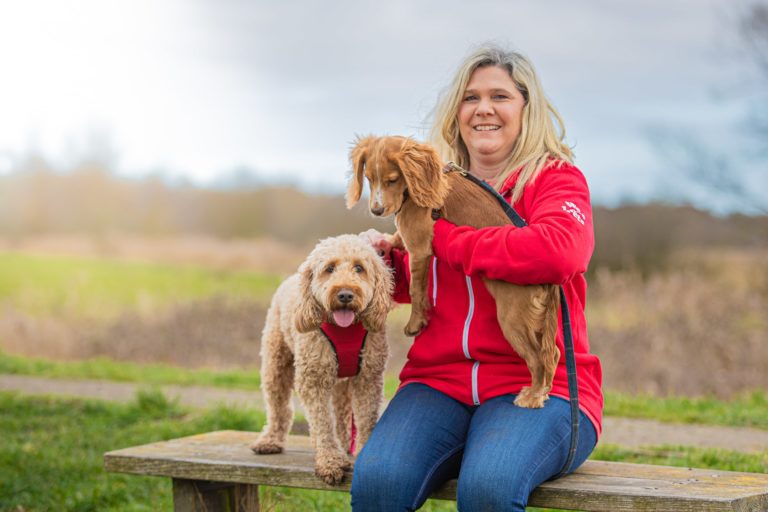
<point x="575" y="212"/>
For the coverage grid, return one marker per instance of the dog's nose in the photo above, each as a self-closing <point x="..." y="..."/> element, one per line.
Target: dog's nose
<point x="345" y="296"/>
<point x="377" y="211"/>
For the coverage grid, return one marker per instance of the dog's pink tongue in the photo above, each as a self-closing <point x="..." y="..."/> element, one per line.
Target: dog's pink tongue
<point x="343" y="317"/>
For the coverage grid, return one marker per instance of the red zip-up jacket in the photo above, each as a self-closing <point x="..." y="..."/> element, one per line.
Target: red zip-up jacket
<point x="462" y="352"/>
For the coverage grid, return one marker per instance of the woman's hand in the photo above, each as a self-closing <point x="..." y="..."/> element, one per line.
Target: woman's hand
<point x="382" y="242"/>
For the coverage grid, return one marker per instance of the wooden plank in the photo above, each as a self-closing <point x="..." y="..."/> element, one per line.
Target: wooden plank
<point x="621" y="494"/>
<point x="625" y="469"/>
<point x="224" y="456"/>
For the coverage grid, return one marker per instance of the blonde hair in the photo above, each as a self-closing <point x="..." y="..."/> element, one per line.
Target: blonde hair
<point x="538" y="141"/>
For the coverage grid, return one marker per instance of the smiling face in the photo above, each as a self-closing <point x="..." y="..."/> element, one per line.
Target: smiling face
<point x="490" y="116"/>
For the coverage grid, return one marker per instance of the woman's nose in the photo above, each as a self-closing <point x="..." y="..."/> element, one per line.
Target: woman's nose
<point x="484" y="107"/>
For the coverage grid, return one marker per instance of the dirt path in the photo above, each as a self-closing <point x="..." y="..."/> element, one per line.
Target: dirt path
<point x="630" y="433"/>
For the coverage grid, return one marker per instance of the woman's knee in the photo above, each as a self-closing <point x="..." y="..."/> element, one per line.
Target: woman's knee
<point x="481" y="491"/>
<point x="379" y="483"/>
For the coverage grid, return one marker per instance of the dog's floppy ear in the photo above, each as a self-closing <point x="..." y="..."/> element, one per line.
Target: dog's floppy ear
<point x="309" y="314"/>
<point x="422" y="169"/>
<point x="358" y="156"/>
<point x="375" y="315"/>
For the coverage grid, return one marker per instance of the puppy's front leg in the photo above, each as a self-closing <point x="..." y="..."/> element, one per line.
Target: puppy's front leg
<point x="416" y="229"/>
<point x="315" y="390"/>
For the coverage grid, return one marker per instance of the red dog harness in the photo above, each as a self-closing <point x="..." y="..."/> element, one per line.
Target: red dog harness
<point x="347" y="343"/>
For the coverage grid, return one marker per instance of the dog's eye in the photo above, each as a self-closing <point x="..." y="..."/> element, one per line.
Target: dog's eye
<point x="330" y="268"/>
<point x="358" y="268"/>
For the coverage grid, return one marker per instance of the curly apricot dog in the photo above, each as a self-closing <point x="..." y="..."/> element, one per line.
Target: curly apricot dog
<point x="343" y="285"/>
<point x="407" y="181"/>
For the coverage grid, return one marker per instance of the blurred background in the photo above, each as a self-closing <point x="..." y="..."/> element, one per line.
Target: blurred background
<point x="163" y="165"/>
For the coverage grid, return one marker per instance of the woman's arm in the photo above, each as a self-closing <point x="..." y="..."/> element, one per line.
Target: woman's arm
<point x="556" y="244"/>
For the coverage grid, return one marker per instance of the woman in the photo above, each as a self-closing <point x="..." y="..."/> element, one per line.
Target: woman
<point x="454" y="414"/>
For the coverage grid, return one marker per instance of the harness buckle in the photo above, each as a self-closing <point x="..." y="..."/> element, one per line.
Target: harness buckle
<point x="452" y="166"/>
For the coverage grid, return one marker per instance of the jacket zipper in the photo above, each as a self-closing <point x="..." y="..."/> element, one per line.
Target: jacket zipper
<point x="434" y="281"/>
<point x="465" y="341"/>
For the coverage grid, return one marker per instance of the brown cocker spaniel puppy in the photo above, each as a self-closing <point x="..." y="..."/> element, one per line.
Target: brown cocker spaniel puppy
<point x="343" y="284"/>
<point x="407" y="180"/>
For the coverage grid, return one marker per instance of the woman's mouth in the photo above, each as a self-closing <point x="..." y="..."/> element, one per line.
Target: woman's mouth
<point x="486" y="127"/>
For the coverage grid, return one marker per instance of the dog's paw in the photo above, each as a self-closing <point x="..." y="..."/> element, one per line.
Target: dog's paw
<point x="415" y="325"/>
<point x="266" y="447"/>
<point x="530" y="400"/>
<point x="332" y="469"/>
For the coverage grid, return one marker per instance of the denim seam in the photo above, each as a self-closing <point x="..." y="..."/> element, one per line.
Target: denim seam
<point x="542" y="460"/>
<point x="432" y="472"/>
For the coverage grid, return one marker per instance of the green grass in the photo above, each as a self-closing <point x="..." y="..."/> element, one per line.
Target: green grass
<point x="746" y="410"/>
<point x="101" y="289"/>
<point x="686" y="456"/>
<point x="51" y="455"/>
<point x="107" y="369"/>
<point x="749" y="410"/>
<point x="149" y="374"/>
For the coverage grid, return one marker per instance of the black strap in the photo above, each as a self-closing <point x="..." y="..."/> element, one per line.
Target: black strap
<point x="570" y="358"/>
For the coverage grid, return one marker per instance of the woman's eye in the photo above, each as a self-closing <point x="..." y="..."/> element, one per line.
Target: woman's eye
<point x="358" y="268"/>
<point x="501" y="97"/>
<point x="471" y="97"/>
<point x="329" y="269"/>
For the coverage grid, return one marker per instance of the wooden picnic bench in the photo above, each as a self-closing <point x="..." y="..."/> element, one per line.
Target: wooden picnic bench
<point x="217" y="471"/>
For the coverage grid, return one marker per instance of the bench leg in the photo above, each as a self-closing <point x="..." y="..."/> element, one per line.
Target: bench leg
<point x="201" y="496"/>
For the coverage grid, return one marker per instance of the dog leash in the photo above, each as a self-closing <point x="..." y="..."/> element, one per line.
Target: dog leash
<point x="570" y="358"/>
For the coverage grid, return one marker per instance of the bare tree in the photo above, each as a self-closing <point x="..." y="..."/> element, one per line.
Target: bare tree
<point x="738" y="175"/>
<point x="754" y="30"/>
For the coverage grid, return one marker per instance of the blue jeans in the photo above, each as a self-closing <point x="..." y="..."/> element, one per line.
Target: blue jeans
<point x="498" y="451"/>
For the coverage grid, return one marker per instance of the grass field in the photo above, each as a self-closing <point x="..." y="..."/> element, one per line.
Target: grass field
<point x="78" y="308"/>
<point x="659" y="337"/>
<point x="98" y="289"/>
<point x="695" y="329"/>
<point x="51" y="455"/>
<point x="747" y="410"/>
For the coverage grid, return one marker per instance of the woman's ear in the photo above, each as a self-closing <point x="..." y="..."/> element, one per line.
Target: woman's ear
<point x="422" y="169"/>
<point x="358" y="156"/>
<point x="309" y="314"/>
<point x="374" y="316"/>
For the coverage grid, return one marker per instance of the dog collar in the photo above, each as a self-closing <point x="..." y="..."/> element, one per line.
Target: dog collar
<point x="347" y="344"/>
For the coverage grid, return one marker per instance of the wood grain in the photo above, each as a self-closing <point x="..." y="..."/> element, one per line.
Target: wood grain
<point x="224" y="456"/>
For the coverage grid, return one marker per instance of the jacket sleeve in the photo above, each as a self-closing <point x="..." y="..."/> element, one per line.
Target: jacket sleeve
<point x="556" y="245"/>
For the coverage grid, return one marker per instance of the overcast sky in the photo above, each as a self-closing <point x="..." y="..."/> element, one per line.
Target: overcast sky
<point x="198" y="89"/>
